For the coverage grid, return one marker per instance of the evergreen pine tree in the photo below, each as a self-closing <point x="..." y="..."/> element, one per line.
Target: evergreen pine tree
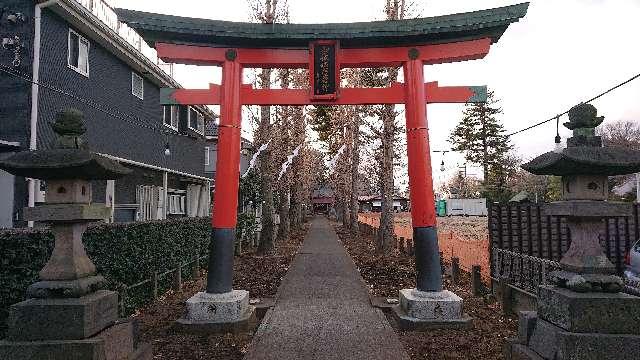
<point x="480" y="136"/>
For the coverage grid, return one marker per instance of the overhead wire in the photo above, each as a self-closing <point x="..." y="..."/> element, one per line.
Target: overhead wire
<point x="567" y="111"/>
<point x="92" y="104"/>
<point x="137" y="121"/>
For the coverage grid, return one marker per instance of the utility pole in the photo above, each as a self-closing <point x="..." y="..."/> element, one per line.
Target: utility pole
<point x="465" y="169"/>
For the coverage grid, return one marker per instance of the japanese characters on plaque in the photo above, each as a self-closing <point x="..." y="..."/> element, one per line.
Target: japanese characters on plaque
<point x="324" y="70"/>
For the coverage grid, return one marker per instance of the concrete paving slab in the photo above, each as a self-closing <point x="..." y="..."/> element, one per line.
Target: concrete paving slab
<point x="322" y="309"/>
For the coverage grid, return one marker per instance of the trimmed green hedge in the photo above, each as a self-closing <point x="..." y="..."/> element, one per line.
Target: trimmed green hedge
<point x="124" y="254"/>
<point x="22" y="254"/>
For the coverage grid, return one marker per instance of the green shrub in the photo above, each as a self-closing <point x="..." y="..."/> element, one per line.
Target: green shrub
<point x="22" y="254"/>
<point x="124" y="254"/>
<point x="246" y="223"/>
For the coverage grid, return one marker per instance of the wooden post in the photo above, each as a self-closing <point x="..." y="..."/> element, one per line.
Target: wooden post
<point x="154" y="280"/>
<point x="476" y="280"/>
<point x="505" y="297"/>
<point x="455" y="270"/>
<point x="239" y="243"/>
<point x="195" y="267"/>
<point x="122" y="295"/>
<point x="177" y="278"/>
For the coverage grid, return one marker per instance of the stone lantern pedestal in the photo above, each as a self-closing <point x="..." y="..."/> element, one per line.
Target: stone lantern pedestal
<point x="68" y="314"/>
<point x="584" y="315"/>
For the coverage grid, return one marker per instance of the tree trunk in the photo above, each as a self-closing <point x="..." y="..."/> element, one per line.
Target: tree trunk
<point x="355" y="162"/>
<point x="345" y="202"/>
<point x="295" y="211"/>
<point x="395" y="11"/>
<point x="283" y="229"/>
<point x="344" y="178"/>
<point x="266" y="236"/>
<point x="388" y="116"/>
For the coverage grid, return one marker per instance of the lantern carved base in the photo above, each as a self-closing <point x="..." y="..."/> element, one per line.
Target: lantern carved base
<point x="66" y="289"/>
<point x="570" y="325"/>
<point x="587" y="282"/>
<point x="83" y="328"/>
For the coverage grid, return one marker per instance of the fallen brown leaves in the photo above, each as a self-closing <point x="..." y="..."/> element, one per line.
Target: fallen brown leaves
<point x="260" y="275"/>
<point x="386" y="274"/>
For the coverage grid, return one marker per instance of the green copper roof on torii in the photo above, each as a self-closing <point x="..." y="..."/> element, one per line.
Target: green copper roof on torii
<point x="490" y="23"/>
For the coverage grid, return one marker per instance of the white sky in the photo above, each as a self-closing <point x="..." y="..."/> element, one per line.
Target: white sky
<point x="562" y="52"/>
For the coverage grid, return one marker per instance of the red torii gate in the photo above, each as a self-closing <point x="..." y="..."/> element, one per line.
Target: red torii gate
<point x="324" y="50"/>
<point x="414" y="93"/>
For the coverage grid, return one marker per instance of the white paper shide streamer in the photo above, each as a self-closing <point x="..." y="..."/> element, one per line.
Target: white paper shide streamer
<point x="332" y="163"/>
<point x="252" y="163"/>
<point x="289" y="161"/>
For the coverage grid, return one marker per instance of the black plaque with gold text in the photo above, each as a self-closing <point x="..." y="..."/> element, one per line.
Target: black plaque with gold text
<point x="324" y="71"/>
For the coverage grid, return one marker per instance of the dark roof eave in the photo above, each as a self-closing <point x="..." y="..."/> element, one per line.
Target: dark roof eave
<point x="440" y="29"/>
<point x="586" y="161"/>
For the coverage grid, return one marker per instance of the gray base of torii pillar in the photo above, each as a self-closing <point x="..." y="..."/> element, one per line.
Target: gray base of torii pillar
<point x="428" y="306"/>
<point x="220" y="308"/>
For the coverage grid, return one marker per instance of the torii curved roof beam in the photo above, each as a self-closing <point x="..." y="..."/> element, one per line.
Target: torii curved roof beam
<point x="474" y="25"/>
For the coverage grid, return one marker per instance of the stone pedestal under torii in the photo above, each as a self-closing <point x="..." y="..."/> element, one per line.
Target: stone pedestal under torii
<point x="584" y="315"/>
<point x="68" y="314"/>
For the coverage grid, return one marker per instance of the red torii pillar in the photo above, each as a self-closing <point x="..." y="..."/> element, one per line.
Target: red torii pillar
<point x="225" y="204"/>
<point x="423" y="215"/>
<point x="231" y="95"/>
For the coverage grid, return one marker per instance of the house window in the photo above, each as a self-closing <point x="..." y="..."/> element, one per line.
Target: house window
<point x="171" y="116"/>
<point x="78" y="57"/>
<point x="137" y="86"/>
<point x="206" y="155"/>
<point x="196" y="121"/>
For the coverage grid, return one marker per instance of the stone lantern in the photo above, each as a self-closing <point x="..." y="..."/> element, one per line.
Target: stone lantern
<point x="68" y="314"/>
<point x="584" y="316"/>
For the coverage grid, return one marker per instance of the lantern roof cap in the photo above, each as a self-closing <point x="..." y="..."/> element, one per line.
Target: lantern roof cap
<point x="586" y="160"/>
<point x="70" y="159"/>
<point x="490" y="23"/>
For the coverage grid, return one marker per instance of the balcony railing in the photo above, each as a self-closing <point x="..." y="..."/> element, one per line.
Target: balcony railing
<point x="101" y="10"/>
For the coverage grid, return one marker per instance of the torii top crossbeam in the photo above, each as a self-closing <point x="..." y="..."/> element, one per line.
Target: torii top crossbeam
<point x="324" y="49"/>
<point x="490" y="23"/>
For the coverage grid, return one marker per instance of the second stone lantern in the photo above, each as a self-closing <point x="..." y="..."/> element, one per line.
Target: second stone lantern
<point x="585" y="315"/>
<point x="68" y="313"/>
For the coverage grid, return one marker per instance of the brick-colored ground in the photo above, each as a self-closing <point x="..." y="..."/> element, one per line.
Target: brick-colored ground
<point x="466" y="238"/>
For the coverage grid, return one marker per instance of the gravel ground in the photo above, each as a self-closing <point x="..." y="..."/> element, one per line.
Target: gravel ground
<point x="385" y="275"/>
<point x="260" y="275"/>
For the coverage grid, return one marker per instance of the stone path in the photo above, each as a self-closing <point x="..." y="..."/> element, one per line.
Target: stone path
<point x="322" y="309"/>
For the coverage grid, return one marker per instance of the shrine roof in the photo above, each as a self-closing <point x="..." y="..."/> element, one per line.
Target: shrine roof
<point x="490" y="23"/>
